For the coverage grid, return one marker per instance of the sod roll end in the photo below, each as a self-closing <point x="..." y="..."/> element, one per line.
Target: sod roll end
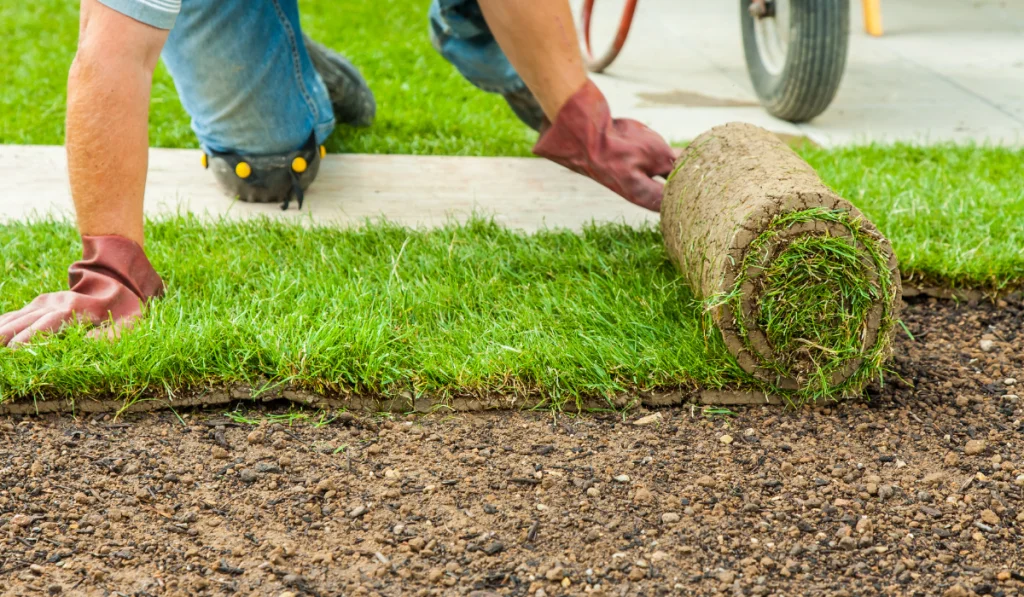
<point x="804" y="289"/>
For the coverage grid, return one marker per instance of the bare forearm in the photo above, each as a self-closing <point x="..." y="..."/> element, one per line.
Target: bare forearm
<point x="539" y="39"/>
<point x="107" y="121"/>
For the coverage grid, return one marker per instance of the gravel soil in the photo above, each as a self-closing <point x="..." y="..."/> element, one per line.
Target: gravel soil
<point x="918" y="492"/>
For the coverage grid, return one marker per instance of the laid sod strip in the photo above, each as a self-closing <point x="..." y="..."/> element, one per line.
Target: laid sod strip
<point x="803" y="288"/>
<point x="470" y="310"/>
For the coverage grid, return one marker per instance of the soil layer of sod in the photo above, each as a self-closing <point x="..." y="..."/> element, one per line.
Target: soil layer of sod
<point x="914" y="493"/>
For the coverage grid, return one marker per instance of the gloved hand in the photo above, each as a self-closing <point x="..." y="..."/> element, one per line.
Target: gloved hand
<point x="621" y="154"/>
<point x="111" y="283"/>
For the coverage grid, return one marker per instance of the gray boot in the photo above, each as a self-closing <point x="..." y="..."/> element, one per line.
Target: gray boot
<point x="350" y="95"/>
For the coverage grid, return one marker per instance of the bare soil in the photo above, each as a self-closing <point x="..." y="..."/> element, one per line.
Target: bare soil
<point x="919" y="492"/>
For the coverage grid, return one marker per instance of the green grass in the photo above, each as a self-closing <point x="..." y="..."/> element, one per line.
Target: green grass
<point x="466" y="310"/>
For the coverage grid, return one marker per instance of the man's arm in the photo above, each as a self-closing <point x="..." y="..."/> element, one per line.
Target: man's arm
<point x="108" y="146"/>
<point x="108" y="120"/>
<point x="539" y="39"/>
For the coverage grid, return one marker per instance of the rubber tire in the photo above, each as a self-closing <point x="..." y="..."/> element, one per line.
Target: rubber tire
<point x="819" y="34"/>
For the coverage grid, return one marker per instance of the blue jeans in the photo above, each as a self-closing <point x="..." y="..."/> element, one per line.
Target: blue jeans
<point x="245" y="78"/>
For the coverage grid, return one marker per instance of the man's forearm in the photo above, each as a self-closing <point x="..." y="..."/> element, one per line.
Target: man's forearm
<point x="107" y="121"/>
<point x="539" y="39"/>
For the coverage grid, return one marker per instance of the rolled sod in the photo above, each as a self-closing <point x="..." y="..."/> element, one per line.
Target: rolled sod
<point x="803" y="288"/>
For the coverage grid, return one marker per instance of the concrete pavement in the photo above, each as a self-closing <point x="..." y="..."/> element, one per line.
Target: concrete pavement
<point x="945" y="70"/>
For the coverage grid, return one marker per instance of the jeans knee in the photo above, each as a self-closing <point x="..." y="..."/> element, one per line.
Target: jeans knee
<point x="244" y="77"/>
<point x="460" y="34"/>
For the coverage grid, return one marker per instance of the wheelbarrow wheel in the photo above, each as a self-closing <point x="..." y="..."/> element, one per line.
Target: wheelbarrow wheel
<point x="598" y="62"/>
<point x="796" y="53"/>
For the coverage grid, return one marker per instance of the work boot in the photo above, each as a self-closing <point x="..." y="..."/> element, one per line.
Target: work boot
<point x="277" y="178"/>
<point x="525" y="105"/>
<point x="351" y="97"/>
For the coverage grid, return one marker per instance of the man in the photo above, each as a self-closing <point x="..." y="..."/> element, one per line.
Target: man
<point x="263" y="98"/>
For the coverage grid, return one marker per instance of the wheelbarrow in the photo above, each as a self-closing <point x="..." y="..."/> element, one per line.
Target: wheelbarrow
<point x="795" y="51"/>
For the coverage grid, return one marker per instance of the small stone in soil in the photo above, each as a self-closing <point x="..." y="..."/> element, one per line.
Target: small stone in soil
<point x="219" y="453"/>
<point x="358" y="511"/>
<point x="267" y="468"/>
<point x="725" y="439"/>
<point x="621" y="478"/>
<point x="989" y="517"/>
<point x="648" y="420"/>
<point x="494" y="547"/>
<point x="974" y="446"/>
<point x="248" y="475"/>
<point x="669" y="518"/>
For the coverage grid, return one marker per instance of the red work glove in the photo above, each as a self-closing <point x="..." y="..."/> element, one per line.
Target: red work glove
<point x="622" y="154"/>
<point x="111" y="283"/>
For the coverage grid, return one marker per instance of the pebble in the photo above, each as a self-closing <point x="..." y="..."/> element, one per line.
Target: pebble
<point x="495" y="547"/>
<point x="659" y="556"/>
<point x="248" y="475"/>
<point x="955" y="591"/>
<point x="864" y="525"/>
<point x="435" y="575"/>
<point x="885" y="492"/>
<point x="1004" y="576"/>
<point x="358" y="511"/>
<point x="648" y="420"/>
<point x="592" y="536"/>
<point x="989" y="517"/>
<point x="934" y="478"/>
<point x="974" y="446"/>
<point x="593" y="492"/>
<point x="669" y="518"/>
<point x="555" y="574"/>
<point x="256" y="436"/>
<point x="267" y="468"/>
<point x="848" y="543"/>
<point x="21" y="520"/>
<point x="727" y="576"/>
<point x="987" y="345"/>
<point x="1010" y="381"/>
<point x="643" y="496"/>
<point x="637" y="574"/>
<point x="725" y="439"/>
<point x="219" y="453"/>
<point x="417" y="543"/>
<point x="621" y="478"/>
<point x="706" y="481"/>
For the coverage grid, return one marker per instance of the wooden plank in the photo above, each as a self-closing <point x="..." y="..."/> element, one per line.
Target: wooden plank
<point x="522" y="193"/>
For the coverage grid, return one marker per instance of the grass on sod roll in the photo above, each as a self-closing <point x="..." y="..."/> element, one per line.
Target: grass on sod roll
<point x="813" y="300"/>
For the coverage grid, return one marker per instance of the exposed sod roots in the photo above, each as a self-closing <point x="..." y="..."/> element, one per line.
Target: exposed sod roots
<point x="803" y="288"/>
